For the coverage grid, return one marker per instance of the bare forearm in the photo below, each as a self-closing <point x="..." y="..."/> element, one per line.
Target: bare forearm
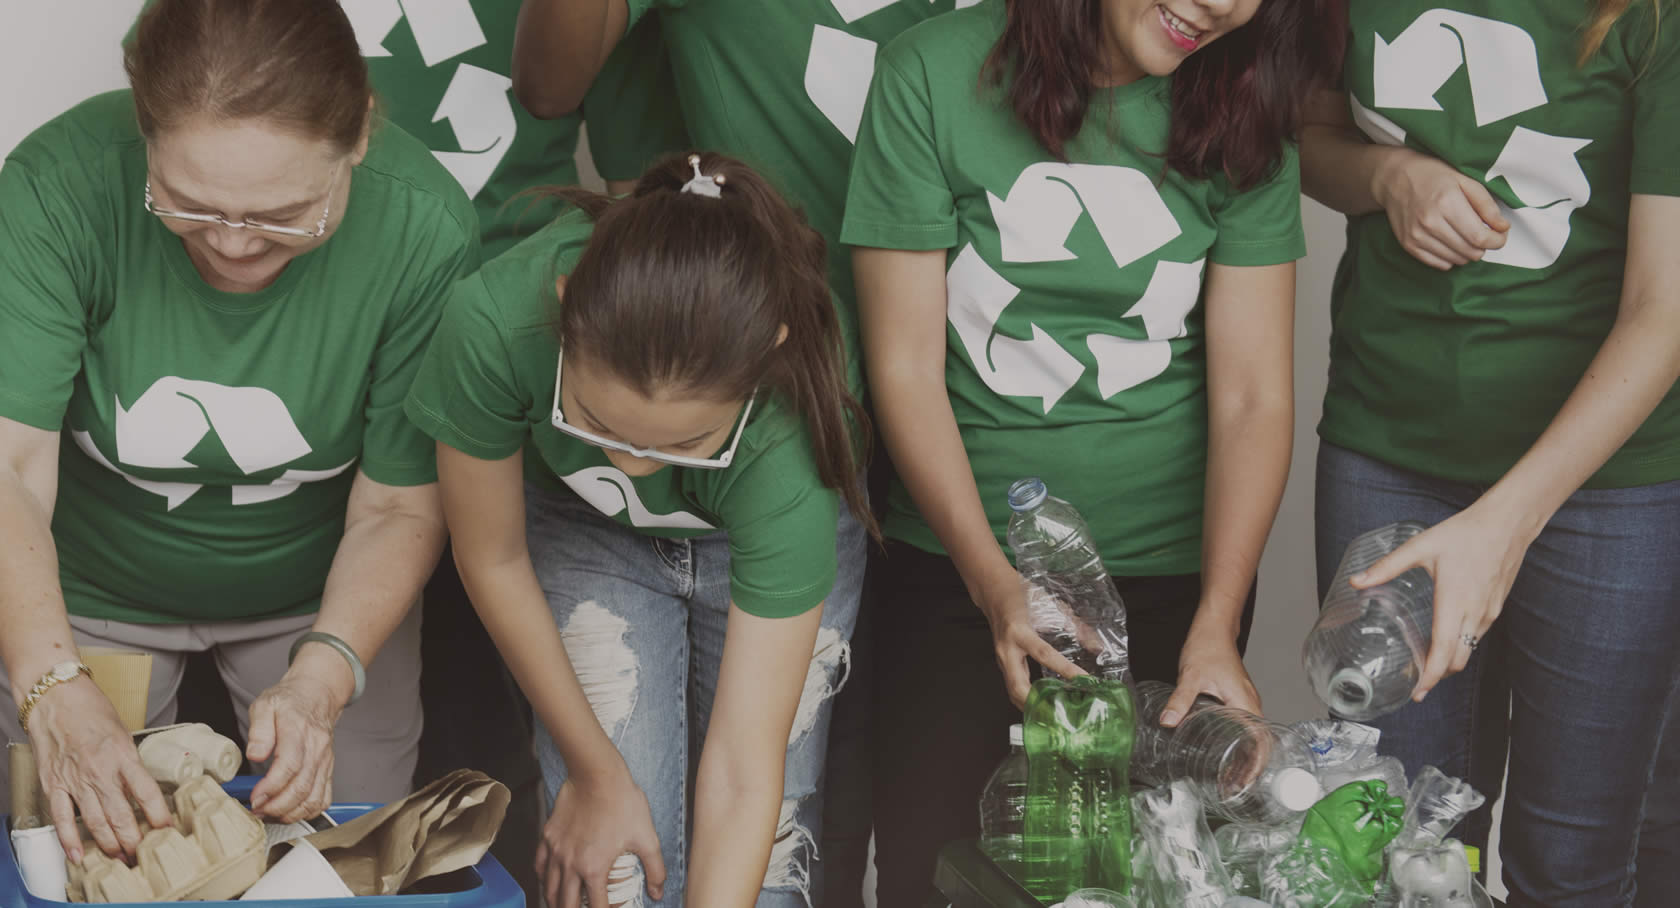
<point x="1343" y="171"/>
<point x="37" y="628"/>
<point x="1248" y="465"/>
<point x="515" y="612"/>
<point x="735" y="828"/>
<point x="559" y="47"/>
<point x="1637" y="365"/>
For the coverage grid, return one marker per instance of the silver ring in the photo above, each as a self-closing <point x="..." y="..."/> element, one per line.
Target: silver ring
<point x="1470" y="640"/>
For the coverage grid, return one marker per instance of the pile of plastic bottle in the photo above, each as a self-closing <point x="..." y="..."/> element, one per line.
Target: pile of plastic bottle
<point x="1100" y="806"/>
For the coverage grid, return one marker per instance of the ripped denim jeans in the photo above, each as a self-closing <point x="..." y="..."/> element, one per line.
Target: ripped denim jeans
<point x="643" y="619"/>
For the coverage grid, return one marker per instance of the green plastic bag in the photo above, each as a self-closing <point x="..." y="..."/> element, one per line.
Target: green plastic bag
<point x="1356" y="821"/>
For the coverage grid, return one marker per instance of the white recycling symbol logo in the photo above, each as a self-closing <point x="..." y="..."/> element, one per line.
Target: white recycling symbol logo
<point x="1034" y="222"/>
<point x="611" y="492"/>
<point x="841" y="65"/>
<point x="1503" y="67"/>
<point x="175" y="414"/>
<point x="476" y="103"/>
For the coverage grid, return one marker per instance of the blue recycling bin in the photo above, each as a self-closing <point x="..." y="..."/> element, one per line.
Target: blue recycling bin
<point x="484" y="885"/>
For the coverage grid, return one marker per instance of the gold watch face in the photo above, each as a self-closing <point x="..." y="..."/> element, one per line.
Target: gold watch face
<point x="64" y="671"/>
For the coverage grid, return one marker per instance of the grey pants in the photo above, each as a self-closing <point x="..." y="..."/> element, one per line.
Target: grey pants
<point x="377" y="739"/>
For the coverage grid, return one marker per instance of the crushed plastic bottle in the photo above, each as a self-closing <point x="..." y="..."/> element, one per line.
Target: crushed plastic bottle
<point x="1098" y="898"/>
<point x="1245" y="768"/>
<point x="1078" y="736"/>
<point x="1072" y="601"/>
<point x="1435" y="877"/>
<point x="1244" y="847"/>
<point x="1357" y="821"/>
<point x="1367" y="649"/>
<point x="1438" y="803"/>
<point x="1176" y="861"/>
<point x="1308" y="876"/>
<point x="1003" y="808"/>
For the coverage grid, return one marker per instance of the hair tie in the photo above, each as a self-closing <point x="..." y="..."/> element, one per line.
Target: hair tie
<point x="710" y="186"/>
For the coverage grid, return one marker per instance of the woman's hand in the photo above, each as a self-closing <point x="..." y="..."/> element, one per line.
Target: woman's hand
<point x="292" y="724"/>
<point x="1014" y="641"/>
<point x="1473" y="557"/>
<point x="1439" y="215"/>
<point x="590" y="827"/>
<point x="87" y="759"/>
<point x="1210" y="664"/>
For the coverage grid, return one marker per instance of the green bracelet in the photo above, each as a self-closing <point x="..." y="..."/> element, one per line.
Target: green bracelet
<point x="356" y="669"/>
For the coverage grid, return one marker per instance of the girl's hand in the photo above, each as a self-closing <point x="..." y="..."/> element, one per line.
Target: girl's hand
<point x="1473" y="557"/>
<point x="1440" y="216"/>
<point x="1210" y="664"/>
<point x="87" y="759"/>
<point x="591" y="826"/>
<point x="1014" y="640"/>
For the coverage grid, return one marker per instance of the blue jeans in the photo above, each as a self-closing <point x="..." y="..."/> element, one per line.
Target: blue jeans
<point x="643" y="619"/>
<point x="1575" y="681"/>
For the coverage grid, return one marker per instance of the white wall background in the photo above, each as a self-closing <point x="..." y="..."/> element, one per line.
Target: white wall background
<point x="57" y="53"/>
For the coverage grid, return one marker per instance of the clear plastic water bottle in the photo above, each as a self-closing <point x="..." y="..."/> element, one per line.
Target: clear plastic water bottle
<point x="1083" y="616"/>
<point x="1245" y="768"/>
<point x="1003" y="808"/>
<point x="1366" y="651"/>
<point x="1078" y="736"/>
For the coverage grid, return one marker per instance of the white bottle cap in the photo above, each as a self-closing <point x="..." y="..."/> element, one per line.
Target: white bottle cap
<point x="1017" y="736"/>
<point x="1296" y="789"/>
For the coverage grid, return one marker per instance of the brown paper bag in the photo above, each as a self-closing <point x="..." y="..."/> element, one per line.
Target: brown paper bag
<point x="443" y="827"/>
<point x="124" y="678"/>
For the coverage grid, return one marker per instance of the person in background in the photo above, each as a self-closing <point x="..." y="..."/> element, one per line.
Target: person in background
<point x="1506" y="339"/>
<point x="666" y="574"/>
<point x="217" y="287"/>
<point x="779" y="84"/>
<point x="1074" y="228"/>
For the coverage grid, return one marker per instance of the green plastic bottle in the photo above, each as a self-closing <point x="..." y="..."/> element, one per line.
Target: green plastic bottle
<point x="1078" y="835"/>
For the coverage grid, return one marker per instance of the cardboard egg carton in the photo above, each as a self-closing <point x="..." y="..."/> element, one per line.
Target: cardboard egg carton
<point x="215" y="851"/>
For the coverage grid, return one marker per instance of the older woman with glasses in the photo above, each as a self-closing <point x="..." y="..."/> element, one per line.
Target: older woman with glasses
<point x="214" y="292"/>
<point x="650" y="525"/>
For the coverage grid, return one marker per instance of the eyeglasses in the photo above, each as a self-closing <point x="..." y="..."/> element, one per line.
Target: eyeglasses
<point x="558" y="420"/>
<point x="319" y="230"/>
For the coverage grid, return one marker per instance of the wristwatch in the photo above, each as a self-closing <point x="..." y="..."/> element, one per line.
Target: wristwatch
<point x="58" y="674"/>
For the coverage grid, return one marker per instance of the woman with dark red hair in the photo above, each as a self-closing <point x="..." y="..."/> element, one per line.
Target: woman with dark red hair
<point x="1076" y="224"/>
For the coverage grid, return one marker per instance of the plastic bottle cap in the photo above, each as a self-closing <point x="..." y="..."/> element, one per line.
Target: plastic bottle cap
<point x="1350" y="691"/>
<point x="1296" y="789"/>
<point x="1473" y="855"/>
<point x="1017" y="735"/>
<point x="1026" y="494"/>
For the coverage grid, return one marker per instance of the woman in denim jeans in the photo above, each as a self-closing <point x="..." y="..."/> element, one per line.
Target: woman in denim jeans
<point x="1503" y="363"/>
<point x="670" y="574"/>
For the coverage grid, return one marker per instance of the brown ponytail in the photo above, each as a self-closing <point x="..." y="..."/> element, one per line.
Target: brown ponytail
<point x="678" y="290"/>
<point x="1604" y="16"/>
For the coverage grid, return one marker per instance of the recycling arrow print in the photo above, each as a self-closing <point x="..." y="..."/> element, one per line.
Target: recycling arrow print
<point x="1011" y="367"/>
<point x="442" y="28"/>
<point x="1545" y="175"/>
<point x="837" y="76"/>
<point x="610" y="491"/>
<point x="1045" y="202"/>
<point x="1124" y="363"/>
<point x="1503" y="63"/>
<point x="479" y="111"/>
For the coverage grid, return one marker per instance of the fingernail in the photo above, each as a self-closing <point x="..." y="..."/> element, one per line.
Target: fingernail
<point x="1171" y="717"/>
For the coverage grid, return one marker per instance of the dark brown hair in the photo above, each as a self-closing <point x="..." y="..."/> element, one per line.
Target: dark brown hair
<point x="1234" y="104"/>
<point x="678" y="290"/>
<point x="294" y="62"/>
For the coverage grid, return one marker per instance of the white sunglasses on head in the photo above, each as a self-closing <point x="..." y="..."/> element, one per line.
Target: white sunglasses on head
<point x="558" y="420"/>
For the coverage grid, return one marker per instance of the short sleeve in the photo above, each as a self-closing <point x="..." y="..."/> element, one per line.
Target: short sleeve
<point x="46" y="272"/>
<point x="1262" y="225"/>
<point x="898" y="197"/>
<point x="465" y="394"/>
<point x="394" y="450"/>
<point x="631" y="112"/>
<point x="1656" y="110"/>
<point x="781" y="521"/>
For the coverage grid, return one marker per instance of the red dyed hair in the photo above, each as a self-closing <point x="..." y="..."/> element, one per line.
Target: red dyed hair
<point x="1234" y="104"/>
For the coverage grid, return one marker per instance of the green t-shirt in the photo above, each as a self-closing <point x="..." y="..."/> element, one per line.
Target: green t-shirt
<point x="442" y="73"/>
<point x="1456" y="374"/>
<point x="781" y="85"/>
<point x="486" y="389"/>
<point x="1076" y="348"/>
<point x="210" y="438"/>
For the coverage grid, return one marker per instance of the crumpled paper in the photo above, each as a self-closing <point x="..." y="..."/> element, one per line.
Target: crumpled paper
<point x="441" y="828"/>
